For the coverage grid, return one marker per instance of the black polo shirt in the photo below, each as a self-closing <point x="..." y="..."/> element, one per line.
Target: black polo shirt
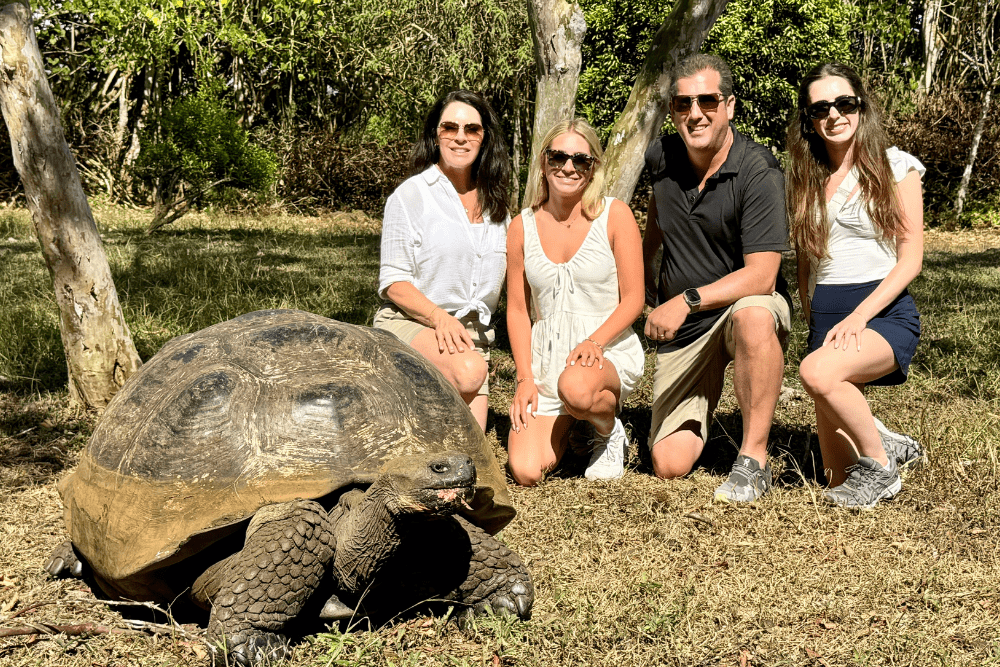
<point x="705" y="234"/>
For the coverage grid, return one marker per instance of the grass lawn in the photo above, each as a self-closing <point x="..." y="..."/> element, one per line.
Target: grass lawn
<point x="638" y="571"/>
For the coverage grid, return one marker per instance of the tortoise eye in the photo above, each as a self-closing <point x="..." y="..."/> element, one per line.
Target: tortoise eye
<point x="439" y="467"/>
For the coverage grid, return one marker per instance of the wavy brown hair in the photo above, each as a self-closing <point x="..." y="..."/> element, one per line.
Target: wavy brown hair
<point x="490" y="170"/>
<point x="809" y="168"/>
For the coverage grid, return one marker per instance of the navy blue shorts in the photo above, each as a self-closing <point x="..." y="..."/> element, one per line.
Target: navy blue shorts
<point x="899" y="323"/>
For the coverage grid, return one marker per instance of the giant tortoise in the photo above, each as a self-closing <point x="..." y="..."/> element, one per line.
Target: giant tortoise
<point x="283" y="466"/>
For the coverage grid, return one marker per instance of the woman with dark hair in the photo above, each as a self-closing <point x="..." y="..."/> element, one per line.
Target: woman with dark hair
<point x="856" y="212"/>
<point x="575" y="286"/>
<point x="444" y="244"/>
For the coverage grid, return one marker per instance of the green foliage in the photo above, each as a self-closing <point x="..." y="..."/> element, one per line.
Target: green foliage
<point x="767" y="44"/>
<point x="196" y="145"/>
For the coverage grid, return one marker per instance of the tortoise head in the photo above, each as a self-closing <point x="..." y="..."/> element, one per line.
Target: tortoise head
<point x="428" y="483"/>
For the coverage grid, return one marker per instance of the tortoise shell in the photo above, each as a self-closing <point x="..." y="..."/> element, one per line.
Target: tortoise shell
<point x="267" y="407"/>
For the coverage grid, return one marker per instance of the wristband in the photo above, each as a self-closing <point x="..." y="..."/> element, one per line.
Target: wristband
<point x="599" y="346"/>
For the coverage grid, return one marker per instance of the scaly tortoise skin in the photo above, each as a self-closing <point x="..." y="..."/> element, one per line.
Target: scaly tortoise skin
<point x="281" y="459"/>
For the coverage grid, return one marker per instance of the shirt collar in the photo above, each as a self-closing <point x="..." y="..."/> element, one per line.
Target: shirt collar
<point x="432" y="174"/>
<point x="735" y="158"/>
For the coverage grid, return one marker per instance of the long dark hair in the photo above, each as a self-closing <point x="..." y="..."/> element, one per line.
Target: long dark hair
<point x="490" y="171"/>
<point x="809" y="168"/>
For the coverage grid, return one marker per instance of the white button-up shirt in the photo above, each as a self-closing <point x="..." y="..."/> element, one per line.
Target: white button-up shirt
<point x="427" y="240"/>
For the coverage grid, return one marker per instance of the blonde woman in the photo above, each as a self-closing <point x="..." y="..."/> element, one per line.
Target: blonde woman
<point x="857" y="221"/>
<point x="574" y="288"/>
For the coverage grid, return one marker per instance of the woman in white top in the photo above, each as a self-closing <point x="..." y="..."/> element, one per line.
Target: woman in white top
<point x="576" y="257"/>
<point x="856" y="214"/>
<point x="444" y="244"/>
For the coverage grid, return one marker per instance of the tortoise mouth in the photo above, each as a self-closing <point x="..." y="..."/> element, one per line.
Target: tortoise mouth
<point x="443" y="500"/>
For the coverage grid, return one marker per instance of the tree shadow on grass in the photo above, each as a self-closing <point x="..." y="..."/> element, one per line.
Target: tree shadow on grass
<point x="795" y="446"/>
<point x="38" y="441"/>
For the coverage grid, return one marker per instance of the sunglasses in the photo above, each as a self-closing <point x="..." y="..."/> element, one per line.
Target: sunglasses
<point x="448" y="131"/>
<point x="706" y="102"/>
<point x="582" y="162"/>
<point x="844" y="104"/>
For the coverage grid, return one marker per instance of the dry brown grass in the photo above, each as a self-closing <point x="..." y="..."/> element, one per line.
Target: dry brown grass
<point x="642" y="571"/>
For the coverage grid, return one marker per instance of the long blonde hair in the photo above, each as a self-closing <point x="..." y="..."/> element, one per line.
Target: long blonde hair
<point x="809" y="167"/>
<point x="536" y="192"/>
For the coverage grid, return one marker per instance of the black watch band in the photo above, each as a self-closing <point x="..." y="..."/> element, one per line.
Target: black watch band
<point x="692" y="299"/>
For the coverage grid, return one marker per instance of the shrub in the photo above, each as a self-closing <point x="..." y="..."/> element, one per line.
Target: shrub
<point x="198" y="146"/>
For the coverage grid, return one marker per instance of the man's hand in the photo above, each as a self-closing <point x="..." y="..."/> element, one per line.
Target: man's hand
<point x="663" y="323"/>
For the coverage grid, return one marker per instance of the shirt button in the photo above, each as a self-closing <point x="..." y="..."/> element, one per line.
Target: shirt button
<point x="474" y="284"/>
<point x="480" y="255"/>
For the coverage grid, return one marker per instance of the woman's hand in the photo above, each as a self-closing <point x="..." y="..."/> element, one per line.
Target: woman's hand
<point x="450" y="332"/>
<point x="587" y="353"/>
<point x="525" y="403"/>
<point x="841" y="333"/>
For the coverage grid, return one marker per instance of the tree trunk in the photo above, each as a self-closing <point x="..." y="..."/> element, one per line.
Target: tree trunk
<point x="680" y="35"/>
<point x="932" y="45"/>
<point x="557" y="30"/>
<point x="100" y="354"/>
<point x="977" y="136"/>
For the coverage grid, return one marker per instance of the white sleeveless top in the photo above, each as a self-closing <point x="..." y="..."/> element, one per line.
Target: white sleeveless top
<point x="569" y="302"/>
<point x="855" y="253"/>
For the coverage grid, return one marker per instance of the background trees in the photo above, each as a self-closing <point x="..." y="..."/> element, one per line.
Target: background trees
<point x="336" y="90"/>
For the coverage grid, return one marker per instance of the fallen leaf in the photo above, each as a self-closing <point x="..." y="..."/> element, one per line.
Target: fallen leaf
<point x="849" y="551"/>
<point x="9" y="604"/>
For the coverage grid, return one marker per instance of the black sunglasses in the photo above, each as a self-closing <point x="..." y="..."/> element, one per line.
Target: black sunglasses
<point x="706" y="102"/>
<point x="448" y="130"/>
<point x="844" y="104"/>
<point x="582" y="162"/>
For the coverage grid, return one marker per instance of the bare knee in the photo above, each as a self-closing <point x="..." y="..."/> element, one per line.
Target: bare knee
<point x="468" y="372"/>
<point x="815" y="379"/>
<point x="529" y="471"/>
<point x="575" y="392"/>
<point x="675" y="455"/>
<point x="752" y="328"/>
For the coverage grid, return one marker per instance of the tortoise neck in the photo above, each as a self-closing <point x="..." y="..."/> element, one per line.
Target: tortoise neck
<point x="367" y="535"/>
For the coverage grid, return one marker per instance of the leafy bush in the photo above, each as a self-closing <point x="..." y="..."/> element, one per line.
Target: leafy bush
<point x="197" y="146"/>
<point x="938" y="129"/>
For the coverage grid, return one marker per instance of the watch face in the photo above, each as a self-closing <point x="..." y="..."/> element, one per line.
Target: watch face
<point x="692" y="297"/>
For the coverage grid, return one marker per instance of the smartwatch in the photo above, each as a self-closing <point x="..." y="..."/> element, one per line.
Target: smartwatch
<point x="692" y="299"/>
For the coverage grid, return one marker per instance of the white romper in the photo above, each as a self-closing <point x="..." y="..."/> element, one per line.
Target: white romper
<point x="569" y="302"/>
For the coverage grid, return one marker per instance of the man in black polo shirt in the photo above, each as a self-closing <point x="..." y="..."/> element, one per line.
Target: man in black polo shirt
<point x="718" y="211"/>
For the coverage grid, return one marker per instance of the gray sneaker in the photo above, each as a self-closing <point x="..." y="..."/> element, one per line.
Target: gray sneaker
<point x="607" y="458"/>
<point x="867" y="483"/>
<point x="905" y="450"/>
<point x="747" y="482"/>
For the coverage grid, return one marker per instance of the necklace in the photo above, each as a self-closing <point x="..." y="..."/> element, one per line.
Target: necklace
<point x="567" y="225"/>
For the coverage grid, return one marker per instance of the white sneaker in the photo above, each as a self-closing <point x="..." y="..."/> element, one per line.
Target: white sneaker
<point x="607" y="459"/>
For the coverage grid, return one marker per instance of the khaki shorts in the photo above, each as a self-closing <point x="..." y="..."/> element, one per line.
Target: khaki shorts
<point x="687" y="383"/>
<point x="390" y="318"/>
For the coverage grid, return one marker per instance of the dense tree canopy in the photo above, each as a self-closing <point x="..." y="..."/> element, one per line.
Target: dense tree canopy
<point x="355" y="76"/>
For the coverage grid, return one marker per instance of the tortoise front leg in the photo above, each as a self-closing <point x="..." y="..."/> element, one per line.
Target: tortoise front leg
<point x="449" y="560"/>
<point x="257" y="592"/>
<point x="497" y="580"/>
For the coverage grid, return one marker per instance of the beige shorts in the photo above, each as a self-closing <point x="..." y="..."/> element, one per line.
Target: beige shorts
<point x="390" y="318"/>
<point x="687" y="383"/>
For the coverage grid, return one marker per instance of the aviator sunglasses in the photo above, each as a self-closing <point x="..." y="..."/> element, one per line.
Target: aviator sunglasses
<point x="706" y="102"/>
<point x="582" y="162"/>
<point x="844" y="104"/>
<point x="448" y="131"/>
